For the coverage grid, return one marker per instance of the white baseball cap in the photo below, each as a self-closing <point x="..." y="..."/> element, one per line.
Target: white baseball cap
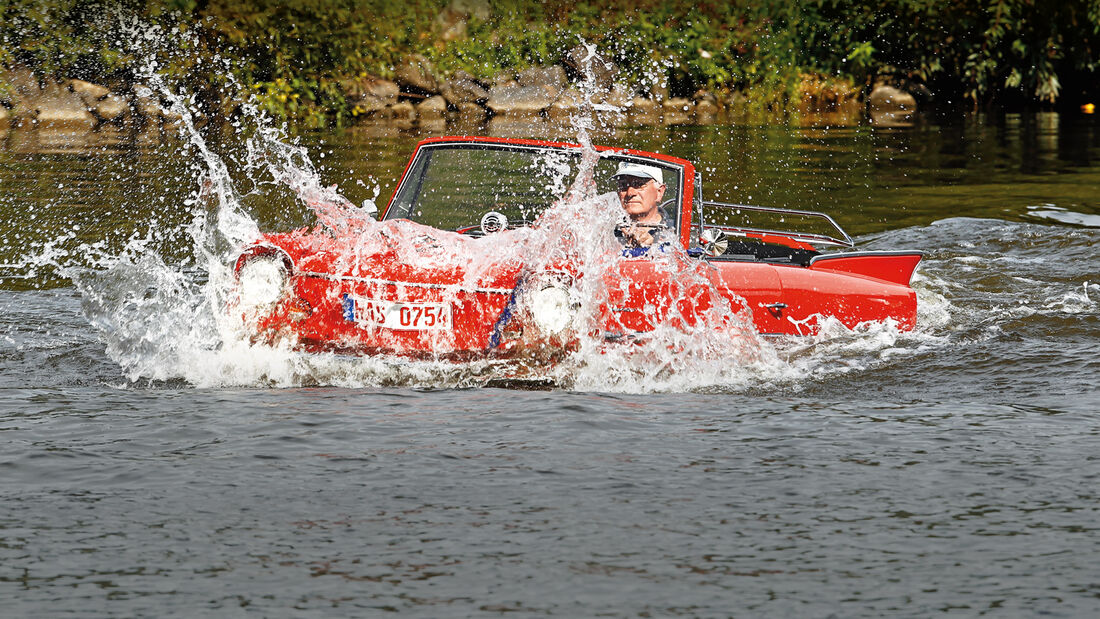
<point x="629" y="168"/>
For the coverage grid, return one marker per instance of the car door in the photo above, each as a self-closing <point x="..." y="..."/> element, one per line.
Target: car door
<point x="687" y="293"/>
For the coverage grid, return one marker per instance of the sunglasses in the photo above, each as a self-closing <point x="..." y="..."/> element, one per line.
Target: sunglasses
<point x="631" y="182"/>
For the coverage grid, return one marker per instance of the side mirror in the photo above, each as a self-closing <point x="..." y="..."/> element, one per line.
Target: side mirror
<point x="714" y="241"/>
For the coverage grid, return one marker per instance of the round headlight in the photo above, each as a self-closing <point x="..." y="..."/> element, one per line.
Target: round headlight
<point x="550" y="308"/>
<point x="261" y="281"/>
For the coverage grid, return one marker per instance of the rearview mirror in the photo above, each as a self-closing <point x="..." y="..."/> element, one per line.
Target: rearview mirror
<point x="714" y="241"/>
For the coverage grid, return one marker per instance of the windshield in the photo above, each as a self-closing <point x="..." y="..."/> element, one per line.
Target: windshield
<point x="452" y="186"/>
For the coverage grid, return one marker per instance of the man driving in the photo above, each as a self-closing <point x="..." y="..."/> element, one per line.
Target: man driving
<point x="640" y="188"/>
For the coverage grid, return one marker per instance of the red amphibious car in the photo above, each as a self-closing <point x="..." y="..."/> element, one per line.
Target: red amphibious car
<point x="485" y="249"/>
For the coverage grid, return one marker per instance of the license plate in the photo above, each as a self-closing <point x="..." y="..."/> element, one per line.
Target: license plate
<point x="397" y="316"/>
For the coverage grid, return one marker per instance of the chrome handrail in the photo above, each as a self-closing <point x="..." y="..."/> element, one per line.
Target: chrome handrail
<point x="846" y="241"/>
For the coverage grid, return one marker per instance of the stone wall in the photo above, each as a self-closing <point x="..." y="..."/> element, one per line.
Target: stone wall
<point x="73" y="105"/>
<point x="418" y="95"/>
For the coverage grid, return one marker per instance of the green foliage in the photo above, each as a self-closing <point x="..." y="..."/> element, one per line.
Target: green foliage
<point x="980" y="48"/>
<point x="297" y="58"/>
<point x="507" y="41"/>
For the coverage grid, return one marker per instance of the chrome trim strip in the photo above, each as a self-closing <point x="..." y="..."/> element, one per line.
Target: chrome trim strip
<point x="374" y="280"/>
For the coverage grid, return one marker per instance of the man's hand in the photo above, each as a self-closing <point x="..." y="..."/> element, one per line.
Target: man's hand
<point x="638" y="235"/>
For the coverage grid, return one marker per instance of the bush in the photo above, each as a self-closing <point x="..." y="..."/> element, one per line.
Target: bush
<point x="296" y="57"/>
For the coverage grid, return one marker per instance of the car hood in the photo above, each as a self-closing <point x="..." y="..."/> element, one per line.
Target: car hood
<point x="405" y="252"/>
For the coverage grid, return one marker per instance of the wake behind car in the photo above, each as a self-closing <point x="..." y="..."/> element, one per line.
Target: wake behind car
<point x="488" y="247"/>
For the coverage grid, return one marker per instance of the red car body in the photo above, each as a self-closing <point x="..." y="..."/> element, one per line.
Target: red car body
<point x="364" y="289"/>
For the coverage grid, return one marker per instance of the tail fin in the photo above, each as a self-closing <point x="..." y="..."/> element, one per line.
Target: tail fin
<point x="891" y="266"/>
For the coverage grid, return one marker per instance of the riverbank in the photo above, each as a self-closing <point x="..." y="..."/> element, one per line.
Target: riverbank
<point x="465" y="61"/>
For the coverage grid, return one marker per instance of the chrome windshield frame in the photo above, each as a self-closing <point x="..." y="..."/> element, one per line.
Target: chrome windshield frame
<point x="822" y="239"/>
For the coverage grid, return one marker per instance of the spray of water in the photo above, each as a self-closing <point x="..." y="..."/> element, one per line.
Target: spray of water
<point x="163" y="321"/>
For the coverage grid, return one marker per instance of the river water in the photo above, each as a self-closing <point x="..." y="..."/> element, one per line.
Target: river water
<point x="951" y="471"/>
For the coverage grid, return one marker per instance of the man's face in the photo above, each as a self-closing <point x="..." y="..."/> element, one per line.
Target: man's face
<point x="640" y="197"/>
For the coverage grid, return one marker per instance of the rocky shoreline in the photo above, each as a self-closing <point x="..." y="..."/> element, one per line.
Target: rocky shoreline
<point x="418" y="96"/>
